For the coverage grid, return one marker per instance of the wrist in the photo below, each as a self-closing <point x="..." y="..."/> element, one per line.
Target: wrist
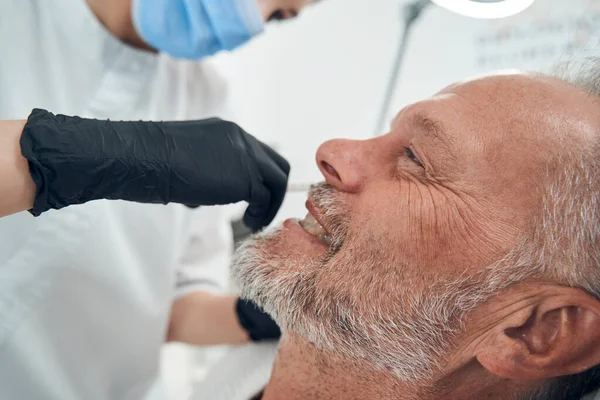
<point x="18" y="188"/>
<point x="25" y="187"/>
<point x="206" y="319"/>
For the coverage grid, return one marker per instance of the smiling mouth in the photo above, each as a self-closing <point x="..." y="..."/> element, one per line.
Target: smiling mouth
<point x="312" y="226"/>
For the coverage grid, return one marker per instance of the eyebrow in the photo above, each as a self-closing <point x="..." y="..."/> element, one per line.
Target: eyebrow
<point x="434" y="129"/>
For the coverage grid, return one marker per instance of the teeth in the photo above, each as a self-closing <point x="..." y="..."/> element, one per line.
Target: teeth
<point x="313" y="227"/>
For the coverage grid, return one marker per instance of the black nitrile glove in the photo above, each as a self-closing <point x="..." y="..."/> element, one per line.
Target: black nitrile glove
<point x="257" y="323"/>
<point x="209" y="162"/>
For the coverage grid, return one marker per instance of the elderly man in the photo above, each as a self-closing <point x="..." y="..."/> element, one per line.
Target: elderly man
<point x="456" y="257"/>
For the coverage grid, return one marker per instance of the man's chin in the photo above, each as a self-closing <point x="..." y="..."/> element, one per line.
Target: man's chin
<point x="285" y="247"/>
<point x="269" y="265"/>
<point x="257" y="257"/>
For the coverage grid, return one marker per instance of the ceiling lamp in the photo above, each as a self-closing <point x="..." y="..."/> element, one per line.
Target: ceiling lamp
<point x="485" y="9"/>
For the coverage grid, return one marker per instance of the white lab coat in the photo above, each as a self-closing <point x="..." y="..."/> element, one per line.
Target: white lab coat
<point x="85" y="292"/>
<point x="241" y="374"/>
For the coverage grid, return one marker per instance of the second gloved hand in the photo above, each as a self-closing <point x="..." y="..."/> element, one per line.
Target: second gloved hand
<point x="258" y="324"/>
<point x="207" y="162"/>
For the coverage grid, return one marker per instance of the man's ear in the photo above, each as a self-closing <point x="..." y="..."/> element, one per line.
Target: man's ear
<point x="557" y="334"/>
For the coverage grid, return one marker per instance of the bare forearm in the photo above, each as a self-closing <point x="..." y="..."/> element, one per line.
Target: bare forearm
<point x="17" y="189"/>
<point x="206" y="319"/>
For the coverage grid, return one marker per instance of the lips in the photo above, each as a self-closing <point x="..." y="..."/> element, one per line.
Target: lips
<point x="312" y="226"/>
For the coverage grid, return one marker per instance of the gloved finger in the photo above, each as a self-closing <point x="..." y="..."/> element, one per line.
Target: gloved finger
<point x="276" y="181"/>
<point x="266" y="198"/>
<point x="277" y="158"/>
<point x="256" y="215"/>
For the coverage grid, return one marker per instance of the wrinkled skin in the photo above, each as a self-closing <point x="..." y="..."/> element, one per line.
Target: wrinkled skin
<point x="449" y="190"/>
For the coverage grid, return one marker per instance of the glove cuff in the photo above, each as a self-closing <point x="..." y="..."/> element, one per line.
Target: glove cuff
<point x="39" y="173"/>
<point x="74" y="160"/>
<point x="258" y="324"/>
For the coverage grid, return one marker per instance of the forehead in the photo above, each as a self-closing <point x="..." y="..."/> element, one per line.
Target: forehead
<point x="511" y="112"/>
<point x="497" y="133"/>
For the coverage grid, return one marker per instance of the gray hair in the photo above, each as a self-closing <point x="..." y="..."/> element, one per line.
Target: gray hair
<point x="564" y="243"/>
<point x="569" y="228"/>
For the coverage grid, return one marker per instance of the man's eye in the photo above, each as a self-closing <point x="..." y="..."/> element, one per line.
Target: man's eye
<point x="412" y="157"/>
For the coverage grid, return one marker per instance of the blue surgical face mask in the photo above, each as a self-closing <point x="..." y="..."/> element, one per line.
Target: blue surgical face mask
<point x="195" y="29"/>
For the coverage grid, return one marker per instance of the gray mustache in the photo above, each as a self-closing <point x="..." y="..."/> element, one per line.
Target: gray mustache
<point x="333" y="212"/>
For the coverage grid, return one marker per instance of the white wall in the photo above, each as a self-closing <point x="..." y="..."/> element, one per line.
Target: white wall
<point x="446" y="47"/>
<point x="324" y="75"/>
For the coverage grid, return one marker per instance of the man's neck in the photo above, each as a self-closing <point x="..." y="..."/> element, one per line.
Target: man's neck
<point x="115" y="15"/>
<point x="301" y="372"/>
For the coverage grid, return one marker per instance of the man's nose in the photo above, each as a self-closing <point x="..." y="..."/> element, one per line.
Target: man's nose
<point x="344" y="163"/>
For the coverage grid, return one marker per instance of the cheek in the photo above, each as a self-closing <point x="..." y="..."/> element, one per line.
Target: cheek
<point x="410" y="223"/>
<point x="403" y="213"/>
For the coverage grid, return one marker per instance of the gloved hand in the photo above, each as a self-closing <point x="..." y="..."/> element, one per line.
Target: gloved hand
<point x="209" y="162"/>
<point x="256" y="322"/>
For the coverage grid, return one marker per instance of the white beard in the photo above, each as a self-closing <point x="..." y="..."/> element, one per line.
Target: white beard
<point x="289" y="294"/>
<point x="408" y="333"/>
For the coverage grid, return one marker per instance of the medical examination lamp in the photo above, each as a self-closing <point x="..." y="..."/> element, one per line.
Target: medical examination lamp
<point x="486" y="9"/>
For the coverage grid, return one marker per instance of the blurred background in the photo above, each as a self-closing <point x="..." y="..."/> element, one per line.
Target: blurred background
<point x="326" y="75"/>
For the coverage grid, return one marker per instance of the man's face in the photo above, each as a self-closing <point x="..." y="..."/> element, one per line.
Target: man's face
<point x="447" y="192"/>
